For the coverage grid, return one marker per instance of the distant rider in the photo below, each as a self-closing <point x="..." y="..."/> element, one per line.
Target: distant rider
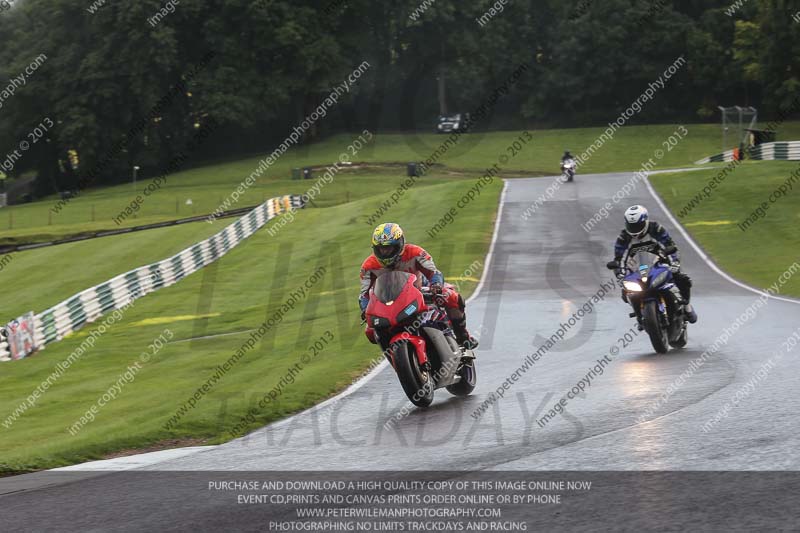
<point x="564" y="158"/>
<point x="638" y="228"/>
<point x="390" y="252"/>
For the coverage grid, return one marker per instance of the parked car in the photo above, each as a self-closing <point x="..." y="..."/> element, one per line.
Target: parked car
<point x="451" y="123"/>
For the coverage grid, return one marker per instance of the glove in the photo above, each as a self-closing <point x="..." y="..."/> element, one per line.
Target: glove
<point x="438" y="294"/>
<point x="675" y="266"/>
<point x="363" y="316"/>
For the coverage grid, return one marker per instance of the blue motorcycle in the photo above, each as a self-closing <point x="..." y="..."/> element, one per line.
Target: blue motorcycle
<point x="647" y="284"/>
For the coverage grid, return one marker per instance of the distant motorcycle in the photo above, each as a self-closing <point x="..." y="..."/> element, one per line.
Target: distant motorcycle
<point x="412" y="327"/>
<point x="568" y="167"/>
<point x="648" y="286"/>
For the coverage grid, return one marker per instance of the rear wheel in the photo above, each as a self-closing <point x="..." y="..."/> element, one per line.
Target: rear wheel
<point x="652" y="325"/>
<point x="678" y="332"/>
<point x="468" y="379"/>
<point x="682" y="339"/>
<point x="416" y="382"/>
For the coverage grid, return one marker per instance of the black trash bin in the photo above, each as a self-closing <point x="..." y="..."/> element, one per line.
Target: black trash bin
<point x="307" y="173"/>
<point x="412" y="170"/>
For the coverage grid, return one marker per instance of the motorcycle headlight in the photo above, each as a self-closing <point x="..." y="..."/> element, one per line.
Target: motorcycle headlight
<point x="632" y="286"/>
<point x="658" y="280"/>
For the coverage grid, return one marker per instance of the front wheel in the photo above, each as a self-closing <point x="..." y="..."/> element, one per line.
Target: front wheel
<point x="652" y="324"/>
<point x="417" y="383"/>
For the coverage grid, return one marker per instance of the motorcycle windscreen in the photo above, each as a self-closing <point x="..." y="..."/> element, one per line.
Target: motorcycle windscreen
<point x="643" y="259"/>
<point x="389" y="285"/>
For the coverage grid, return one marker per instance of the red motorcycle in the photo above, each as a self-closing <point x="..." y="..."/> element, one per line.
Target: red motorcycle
<point x="412" y="327"/>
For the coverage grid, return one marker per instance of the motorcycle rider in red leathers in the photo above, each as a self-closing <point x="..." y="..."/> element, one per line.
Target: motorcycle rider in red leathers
<point x="390" y="252"/>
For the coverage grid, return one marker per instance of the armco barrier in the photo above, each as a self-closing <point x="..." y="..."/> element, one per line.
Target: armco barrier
<point x="717" y="158"/>
<point x="774" y="151"/>
<point x="85" y="307"/>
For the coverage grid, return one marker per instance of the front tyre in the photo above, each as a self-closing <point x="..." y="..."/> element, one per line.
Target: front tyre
<point x="652" y="325"/>
<point x="417" y="383"/>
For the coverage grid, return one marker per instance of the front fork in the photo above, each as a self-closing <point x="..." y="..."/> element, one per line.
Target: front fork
<point x="416" y="342"/>
<point x="637" y="311"/>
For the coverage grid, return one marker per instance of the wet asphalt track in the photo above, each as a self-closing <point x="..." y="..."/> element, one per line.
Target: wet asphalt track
<point x="541" y="271"/>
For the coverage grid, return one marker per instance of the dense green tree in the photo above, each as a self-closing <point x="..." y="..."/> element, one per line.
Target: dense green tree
<point x="123" y="91"/>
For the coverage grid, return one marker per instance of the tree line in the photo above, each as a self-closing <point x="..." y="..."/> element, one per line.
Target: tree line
<point x="123" y="92"/>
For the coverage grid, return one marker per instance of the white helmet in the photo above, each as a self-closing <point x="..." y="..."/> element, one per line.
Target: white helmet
<point x="636" y="220"/>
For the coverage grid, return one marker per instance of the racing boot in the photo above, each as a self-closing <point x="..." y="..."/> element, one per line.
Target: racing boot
<point x="684" y="284"/>
<point x="463" y="338"/>
<point x="691" y="315"/>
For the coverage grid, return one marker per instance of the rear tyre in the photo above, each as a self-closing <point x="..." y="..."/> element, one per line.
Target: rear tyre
<point x="416" y="382"/>
<point x="682" y="339"/>
<point x="468" y="380"/>
<point x="652" y="325"/>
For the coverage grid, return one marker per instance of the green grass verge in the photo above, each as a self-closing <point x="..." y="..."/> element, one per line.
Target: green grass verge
<point x="113" y="255"/>
<point x="766" y="248"/>
<point x="54" y="274"/>
<point x="208" y="186"/>
<point x="235" y="296"/>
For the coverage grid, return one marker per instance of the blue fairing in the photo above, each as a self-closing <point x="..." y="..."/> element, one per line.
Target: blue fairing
<point x="653" y="274"/>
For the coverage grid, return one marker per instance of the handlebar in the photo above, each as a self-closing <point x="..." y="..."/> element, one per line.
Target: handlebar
<point x="430" y="298"/>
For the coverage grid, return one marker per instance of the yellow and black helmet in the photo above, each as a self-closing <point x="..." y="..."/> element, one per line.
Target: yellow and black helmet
<point x="388" y="243"/>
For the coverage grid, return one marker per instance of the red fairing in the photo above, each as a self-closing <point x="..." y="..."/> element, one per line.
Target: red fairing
<point x="409" y="295"/>
<point x="417" y="342"/>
